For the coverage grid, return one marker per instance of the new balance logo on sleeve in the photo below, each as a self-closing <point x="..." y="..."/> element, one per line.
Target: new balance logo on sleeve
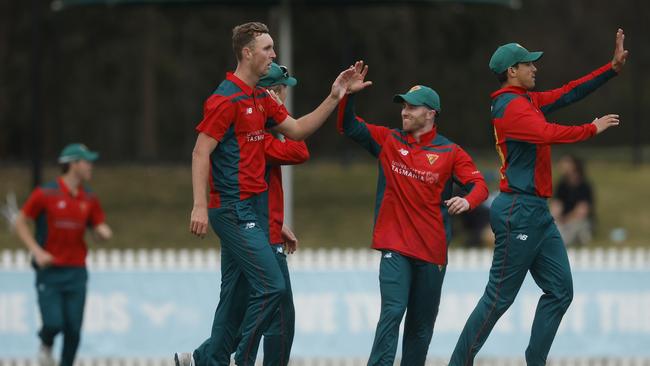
<point x="522" y="237"/>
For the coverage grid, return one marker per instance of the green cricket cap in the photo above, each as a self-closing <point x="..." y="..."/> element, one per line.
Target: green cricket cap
<point x="277" y="75"/>
<point x="511" y="54"/>
<point x="420" y="95"/>
<point x="74" y="152"/>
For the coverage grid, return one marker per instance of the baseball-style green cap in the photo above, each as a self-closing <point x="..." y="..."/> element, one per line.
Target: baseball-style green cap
<point x="420" y="95"/>
<point x="510" y="54"/>
<point x="277" y="75"/>
<point x="74" y="152"/>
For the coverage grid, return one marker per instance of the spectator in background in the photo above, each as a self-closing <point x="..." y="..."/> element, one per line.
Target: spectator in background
<point x="572" y="205"/>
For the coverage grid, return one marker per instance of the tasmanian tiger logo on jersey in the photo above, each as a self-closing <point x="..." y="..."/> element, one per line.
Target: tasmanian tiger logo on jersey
<point x="432" y="158"/>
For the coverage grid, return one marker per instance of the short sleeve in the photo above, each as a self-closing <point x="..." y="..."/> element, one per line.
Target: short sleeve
<point x="218" y="116"/>
<point x="35" y="204"/>
<point x="97" y="215"/>
<point x="275" y="113"/>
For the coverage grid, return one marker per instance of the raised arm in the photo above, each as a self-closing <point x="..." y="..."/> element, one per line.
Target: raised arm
<point x="549" y="101"/>
<point x="350" y="80"/>
<point x="369" y="136"/>
<point x="522" y="122"/>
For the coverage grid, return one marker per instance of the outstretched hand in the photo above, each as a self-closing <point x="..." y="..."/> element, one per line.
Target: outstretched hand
<point x="351" y="80"/>
<point x="606" y="122"/>
<point x="620" y="53"/>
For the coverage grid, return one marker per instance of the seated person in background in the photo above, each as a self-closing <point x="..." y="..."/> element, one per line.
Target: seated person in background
<point x="572" y="205"/>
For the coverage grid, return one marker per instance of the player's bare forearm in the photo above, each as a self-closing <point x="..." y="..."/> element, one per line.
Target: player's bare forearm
<point x="201" y="168"/>
<point x="303" y="127"/>
<point x="41" y="256"/>
<point x="350" y="80"/>
<point x="24" y="234"/>
<point x="200" y="171"/>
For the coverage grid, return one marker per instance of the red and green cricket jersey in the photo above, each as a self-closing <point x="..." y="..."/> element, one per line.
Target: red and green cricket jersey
<point x="415" y="178"/>
<point x="62" y="219"/>
<point x="524" y="136"/>
<point x="237" y="115"/>
<point x="278" y="153"/>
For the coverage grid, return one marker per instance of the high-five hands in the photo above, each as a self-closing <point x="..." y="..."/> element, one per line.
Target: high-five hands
<point x="350" y="80"/>
<point x="620" y="53"/>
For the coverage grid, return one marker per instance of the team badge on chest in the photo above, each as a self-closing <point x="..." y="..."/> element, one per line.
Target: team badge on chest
<point x="432" y="158"/>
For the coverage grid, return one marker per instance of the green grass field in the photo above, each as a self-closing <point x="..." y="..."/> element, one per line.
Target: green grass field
<point x="148" y="206"/>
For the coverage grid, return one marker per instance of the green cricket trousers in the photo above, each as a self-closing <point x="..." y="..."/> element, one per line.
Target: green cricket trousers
<point x="412" y="286"/>
<point x="61" y="293"/>
<point x="526" y="239"/>
<point x="278" y="337"/>
<point x="251" y="281"/>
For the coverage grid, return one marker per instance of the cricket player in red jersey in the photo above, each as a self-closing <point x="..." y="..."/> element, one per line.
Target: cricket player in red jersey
<point x="62" y="210"/>
<point x="278" y="337"/>
<point x="526" y="237"/>
<point x="417" y="168"/>
<point x="228" y="158"/>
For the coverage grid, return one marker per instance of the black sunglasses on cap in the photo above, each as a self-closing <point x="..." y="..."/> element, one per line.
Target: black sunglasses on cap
<point x="285" y="71"/>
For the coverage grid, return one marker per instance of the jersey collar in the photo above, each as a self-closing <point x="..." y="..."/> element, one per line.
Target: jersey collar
<point x="509" y="89"/>
<point x="424" y="139"/>
<point x="66" y="191"/>
<point x="240" y="83"/>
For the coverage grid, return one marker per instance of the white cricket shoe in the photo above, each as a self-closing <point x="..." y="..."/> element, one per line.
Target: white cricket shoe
<point x="44" y="357"/>
<point x="184" y="359"/>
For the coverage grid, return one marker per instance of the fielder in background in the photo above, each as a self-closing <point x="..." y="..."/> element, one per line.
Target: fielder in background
<point x="417" y="169"/>
<point x="526" y="237"/>
<point x="62" y="210"/>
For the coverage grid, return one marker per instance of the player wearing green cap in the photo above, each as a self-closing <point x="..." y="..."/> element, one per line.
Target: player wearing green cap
<point x="526" y="237"/>
<point x="228" y="166"/>
<point x="417" y="169"/>
<point x="62" y="210"/>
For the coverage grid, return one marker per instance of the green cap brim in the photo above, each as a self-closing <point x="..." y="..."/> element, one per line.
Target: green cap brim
<point x="290" y="81"/>
<point x="399" y="98"/>
<point x="88" y="156"/>
<point x="532" y="56"/>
